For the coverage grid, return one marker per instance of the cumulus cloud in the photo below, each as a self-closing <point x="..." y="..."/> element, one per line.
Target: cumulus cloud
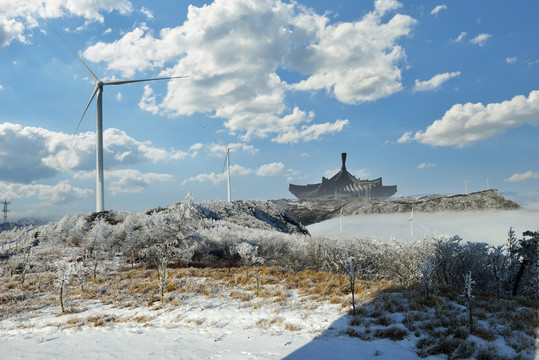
<point x="147" y="12"/>
<point x="480" y="39"/>
<point x="133" y="181"/>
<point x="33" y="153"/>
<point x="18" y="18"/>
<point x="216" y="178"/>
<point x="232" y="51"/>
<point x="426" y="165"/>
<point x="438" y="8"/>
<point x="435" y="82"/>
<point x="61" y="193"/>
<point x="523" y="177"/>
<point x="273" y="169"/>
<point x="312" y="132"/>
<point x="465" y="124"/>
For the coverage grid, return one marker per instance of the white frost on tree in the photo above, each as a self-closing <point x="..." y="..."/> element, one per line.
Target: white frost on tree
<point x="248" y="254"/>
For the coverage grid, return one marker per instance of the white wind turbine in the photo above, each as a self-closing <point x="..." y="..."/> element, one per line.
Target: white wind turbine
<point x="227" y="160"/>
<point x="98" y="90"/>
<point x="466" y="186"/>
<point x="411" y="220"/>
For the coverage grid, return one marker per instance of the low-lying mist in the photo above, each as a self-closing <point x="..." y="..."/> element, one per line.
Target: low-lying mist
<point x="479" y="226"/>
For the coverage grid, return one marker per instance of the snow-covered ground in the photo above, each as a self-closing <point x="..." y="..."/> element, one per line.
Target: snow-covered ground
<point x="199" y="328"/>
<point x="478" y="226"/>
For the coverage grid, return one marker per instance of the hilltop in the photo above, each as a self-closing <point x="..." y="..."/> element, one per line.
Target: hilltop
<point x="312" y="211"/>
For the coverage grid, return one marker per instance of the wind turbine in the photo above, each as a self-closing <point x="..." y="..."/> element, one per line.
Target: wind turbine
<point x="466" y="186"/>
<point x="227" y="160"/>
<point x="411" y="220"/>
<point x="98" y="90"/>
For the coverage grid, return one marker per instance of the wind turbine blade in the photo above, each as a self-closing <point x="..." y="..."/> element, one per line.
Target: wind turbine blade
<point x="216" y="138"/>
<point x="121" y="82"/>
<point x="78" y="57"/>
<point x="87" y="106"/>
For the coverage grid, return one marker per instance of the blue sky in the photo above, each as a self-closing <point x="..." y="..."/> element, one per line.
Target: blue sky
<point x="423" y="94"/>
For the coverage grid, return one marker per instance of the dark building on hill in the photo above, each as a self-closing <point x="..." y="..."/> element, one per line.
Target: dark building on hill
<point x="343" y="185"/>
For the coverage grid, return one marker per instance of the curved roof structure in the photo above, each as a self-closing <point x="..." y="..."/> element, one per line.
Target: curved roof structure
<point x="343" y="185"/>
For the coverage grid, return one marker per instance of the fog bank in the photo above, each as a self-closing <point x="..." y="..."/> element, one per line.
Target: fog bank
<point x="479" y="226"/>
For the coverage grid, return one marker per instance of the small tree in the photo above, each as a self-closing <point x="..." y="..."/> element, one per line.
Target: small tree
<point x="64" y="271"/>
<point x="498" y="263"/>
<point x="95" y="247"/>
<point x="352" y="269"/>
<point x="468" y="283"/>
<point x="427" y="272"/>
<point x="249" y="255"/>
<point x="161" y="254"/>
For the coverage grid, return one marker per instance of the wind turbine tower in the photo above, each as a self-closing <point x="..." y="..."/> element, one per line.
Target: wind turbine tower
<point x="411" y="220"/>
<point x="227" y="159"/>
<point x="5" y="210"/>
<point x="466" y="186"/>
<point x="98" y="90"/>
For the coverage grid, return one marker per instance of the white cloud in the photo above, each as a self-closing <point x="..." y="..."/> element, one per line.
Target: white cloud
<point x="60" y="193"/>
<point x="133" y="181"/>
<point x="480" y="39"/>
<point x="147" y="12"/>
<point x="312" y="132"/>
<point x="119" y="96"/>
<point x="304" y="155"/>
<point x="232" y="51"/>
<point x="426" y="165"/>
<point x="1" y="87"/>
<point x="438" y="8"/>
<point x="383" y="6"/>
<point x="465" y="124"/>
<point x="273" y="169"/>
<point x="523" y="177"/>
<point x="435" y="82"/>
<point x="511" y="60"/>
<point x="216" y="178"/>
<point x="362" y="173"/>
<point x="32" y="153"/>
<point x="19" y="17"/>
<point x="461" y="37"/>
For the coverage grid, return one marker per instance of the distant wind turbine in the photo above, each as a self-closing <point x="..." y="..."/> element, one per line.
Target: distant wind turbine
<point x="466" y="186"/>
<point x="227" y="160"/>
<point x="411" y="220"/>
<point x="98" y="90"/>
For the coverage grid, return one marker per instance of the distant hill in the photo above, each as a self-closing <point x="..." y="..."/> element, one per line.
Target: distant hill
<point x="22" y="222"/>
<point x="312" y="211"/>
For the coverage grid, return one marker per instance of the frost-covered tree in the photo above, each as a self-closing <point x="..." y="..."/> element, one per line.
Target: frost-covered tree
<point x="248" y="254"/>
<point x="316" y="253"/>
<point x="352" y="269"/>
<point x="448" y="259"/>
<point x="96" y="242"/>
<point x="468" y="284"/>
<point x="79" y="274"/>
<point x="528" y="263"/>
<point x="63" y="273"/>
<point x="497" y="261"/>
<point x="427" y="272"/>
<point x="161" y="254"/>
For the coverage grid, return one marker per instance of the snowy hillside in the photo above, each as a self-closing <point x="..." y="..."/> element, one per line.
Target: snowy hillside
<point x="244" y="280"/>
<point x="313" y="211"/>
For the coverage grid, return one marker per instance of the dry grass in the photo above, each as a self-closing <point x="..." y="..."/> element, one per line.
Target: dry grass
<point x="438" y="322"/>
